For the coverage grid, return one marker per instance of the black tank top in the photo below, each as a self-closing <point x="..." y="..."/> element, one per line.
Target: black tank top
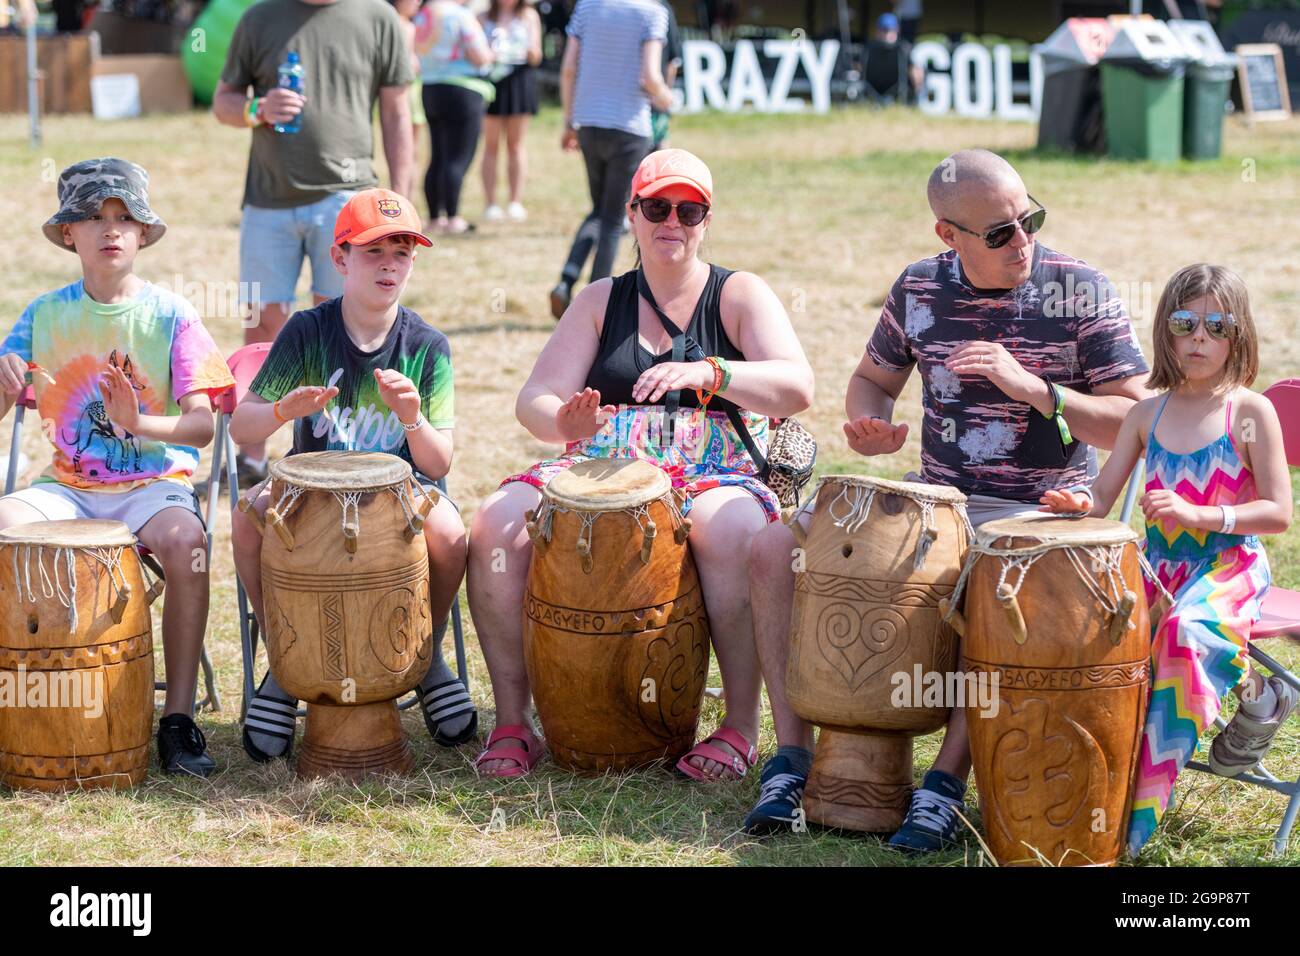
<point x="622" y="358"/>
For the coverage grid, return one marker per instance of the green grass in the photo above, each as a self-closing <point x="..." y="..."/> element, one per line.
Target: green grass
<point x="828" y="209"/>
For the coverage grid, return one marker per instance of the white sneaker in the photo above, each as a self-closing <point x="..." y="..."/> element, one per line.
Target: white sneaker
<point x="517" y="212"/>
<point x="493" y="213"/>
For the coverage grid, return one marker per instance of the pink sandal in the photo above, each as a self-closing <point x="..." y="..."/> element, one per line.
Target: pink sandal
<point x="706" y="750"/>
<point x="525" y="756"/>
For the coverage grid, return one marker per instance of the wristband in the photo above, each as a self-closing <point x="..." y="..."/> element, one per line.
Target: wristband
<point x="250" y="112"/>
<point x="415" y="425"/>
<point x="1229" y="518"/>
<point x="725" y="366"/>
<point x="278" y="417"/>
<point x="1058" y="412"/>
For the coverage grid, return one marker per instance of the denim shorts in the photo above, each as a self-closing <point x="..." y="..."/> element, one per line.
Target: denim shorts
<point x="273" y="242"/>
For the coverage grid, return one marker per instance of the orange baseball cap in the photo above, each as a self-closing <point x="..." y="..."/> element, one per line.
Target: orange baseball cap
<point x="671" y="167"/>
<point x="374" y="213"/>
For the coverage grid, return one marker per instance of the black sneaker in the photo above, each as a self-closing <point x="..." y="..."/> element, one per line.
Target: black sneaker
<point x="560" y="297"/>
<point x="778" y="800"/>
<point x="182" y="748"/>
<point x="931" y="822"/>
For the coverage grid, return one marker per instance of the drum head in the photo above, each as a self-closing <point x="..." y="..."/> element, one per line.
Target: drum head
<point x="1044" y="528"/>
<point x="604" y="484"/>
<point x="908" y="489"/>
<point x="341" y="470"/>
<point x="74" y="533"/>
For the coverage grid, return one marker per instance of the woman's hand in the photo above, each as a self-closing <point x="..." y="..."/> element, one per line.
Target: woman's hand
<point x="13" y="374"/>
<point x="660" y="379"/>
<point x="582" y="415"/>
<point x="306" y="400"/>
<point x="1062" y="501"/>
<point x="121" y="404"/>
<point x="875" y="436"/>
<point x="400" y="394"/>
<point x="1164" y="505"/>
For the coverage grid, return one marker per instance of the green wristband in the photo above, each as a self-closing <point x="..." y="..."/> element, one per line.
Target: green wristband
<point x="726" y="372"/>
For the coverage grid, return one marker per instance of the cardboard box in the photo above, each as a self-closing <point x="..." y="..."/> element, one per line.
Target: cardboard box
<point x="164" y="87"/>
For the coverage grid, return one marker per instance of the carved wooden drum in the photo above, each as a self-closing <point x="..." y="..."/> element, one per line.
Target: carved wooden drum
<point x="345" y="579"/>
<point x="878" y="558"/>
<point x="76" y="657"/>
<point x="616" y="639"/>
<point x="1057" y="613"/>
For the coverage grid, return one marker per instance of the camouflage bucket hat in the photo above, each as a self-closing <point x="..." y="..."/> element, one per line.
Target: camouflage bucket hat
<point x="84" y="186"/>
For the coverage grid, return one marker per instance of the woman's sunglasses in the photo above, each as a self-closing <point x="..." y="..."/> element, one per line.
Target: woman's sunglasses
<point x="1219" y="325"/>
<point x="999" y="236"/>
<point x="657" y="210"/>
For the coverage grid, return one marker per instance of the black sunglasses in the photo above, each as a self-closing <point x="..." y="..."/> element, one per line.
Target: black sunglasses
<point x="1219" y="325"/>
<point x="999" y="236"/>
<point x="656" y="210"/>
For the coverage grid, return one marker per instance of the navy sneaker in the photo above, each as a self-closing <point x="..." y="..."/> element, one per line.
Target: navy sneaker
<point x="182" y="747"/>
<point x="931" y="822"/>
<point x="779" y="798"/>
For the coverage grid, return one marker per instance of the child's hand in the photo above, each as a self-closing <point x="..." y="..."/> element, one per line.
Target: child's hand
<point x="1164" y="505"/>
<point x="306" y="400"/>
<point x="121" y="404"/>
<point x="13" y="373"/>
<point x="1065" y="502"/>
<point x="400" y="394"/>
<point x="582" y="415"/>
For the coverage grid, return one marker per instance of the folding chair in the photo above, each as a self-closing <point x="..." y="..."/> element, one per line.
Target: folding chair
<point x="27" y="400"/>
<point x="1280" y="615"/>
<point x="244" y="365"/>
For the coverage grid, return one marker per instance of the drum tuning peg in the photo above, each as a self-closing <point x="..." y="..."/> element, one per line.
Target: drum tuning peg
<point x="247" y="508"/>
<point x="426" y="506"/>
<point x="280" y="528"/>
<point x="119" y="605"/>
<point x="584" y="552"/>
<point x="952" y="616"/>
<point x="682" y="531"/>
<point x="648" y="535"/>
<point x="1123" y="617"/>
<point x="798" y="530"/>
<point x="350" y="534"/>
<point x="155" y="591"/>
<point x="536" y="536"/>
<point x="414" y="527"/>
<point x="1015" y="619"/>
<point x="530" y="515"/>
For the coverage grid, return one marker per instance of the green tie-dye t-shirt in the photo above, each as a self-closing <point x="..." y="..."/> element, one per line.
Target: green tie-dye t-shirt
<point x="156" y="338"/>
<point x="314" y="349"/>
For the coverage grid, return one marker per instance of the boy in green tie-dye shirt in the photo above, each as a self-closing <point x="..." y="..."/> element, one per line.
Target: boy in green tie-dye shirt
<point x="362" y="373"/>
<point x="124" y="374"/>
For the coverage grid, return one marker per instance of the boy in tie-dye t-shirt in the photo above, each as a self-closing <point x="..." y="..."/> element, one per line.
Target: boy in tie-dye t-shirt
<point x="123" y="375"/>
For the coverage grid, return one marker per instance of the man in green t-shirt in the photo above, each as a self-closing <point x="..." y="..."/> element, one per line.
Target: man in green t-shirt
<point x="353" y="53"/>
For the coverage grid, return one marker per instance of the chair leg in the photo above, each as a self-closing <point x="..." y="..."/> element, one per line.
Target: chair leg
<point x="213" y="700"/>
<point x="15" y="445"/>
<point x="1288" y="820"/>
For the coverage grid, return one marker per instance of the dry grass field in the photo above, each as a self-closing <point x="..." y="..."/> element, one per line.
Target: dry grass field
<point x="828" y="209"/>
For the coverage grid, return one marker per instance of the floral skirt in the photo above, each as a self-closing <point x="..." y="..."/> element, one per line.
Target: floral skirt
<point x="701" y="452"/>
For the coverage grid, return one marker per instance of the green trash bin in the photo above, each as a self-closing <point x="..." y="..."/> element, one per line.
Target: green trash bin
<point x="1142" y="104"/>
<point x="1204" y="104"/>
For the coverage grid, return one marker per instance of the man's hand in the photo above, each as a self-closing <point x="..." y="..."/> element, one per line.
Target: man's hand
<point x="1164" y="505"/>
<point x="1065" y="502"/>
<point x="569" y="139"/>
<point x="306" y="400"/>
<point x="280" y="105"/>
<point x="121" y="404"/>
<point x="400" y="394"/>
<point x="667" y="376"/>
<point x="875" y="436"/>
<point x="582" y="415"/>
<point x="990" y="360"/>
<point x="13" y="374"/>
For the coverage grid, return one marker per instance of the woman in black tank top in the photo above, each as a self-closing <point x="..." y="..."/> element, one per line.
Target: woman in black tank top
<point x="614" y="382"/>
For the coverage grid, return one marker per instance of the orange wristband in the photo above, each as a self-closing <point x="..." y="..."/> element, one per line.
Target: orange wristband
<point x="278" y="417"/>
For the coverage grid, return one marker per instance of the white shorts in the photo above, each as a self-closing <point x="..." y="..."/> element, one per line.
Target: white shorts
<point x="59" y="502"/>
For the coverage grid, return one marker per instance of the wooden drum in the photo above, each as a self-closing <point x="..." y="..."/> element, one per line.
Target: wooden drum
<point x="1057" y="613"/>
<point x="616" y="639"/>
<point x="345" y="581"/>
<point x="878" y="558"/>
<point x="76" y="657"/>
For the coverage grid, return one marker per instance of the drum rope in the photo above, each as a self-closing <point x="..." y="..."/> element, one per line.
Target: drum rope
<point x="290" y="494"/>
<point x="859" y="510"/>
<point x="349" y="499"/>
<point x="859" y="507"/>
<point x="408" y="507"/>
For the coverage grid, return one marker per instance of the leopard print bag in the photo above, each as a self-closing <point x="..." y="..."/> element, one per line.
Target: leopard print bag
<point x="791" y="454"/>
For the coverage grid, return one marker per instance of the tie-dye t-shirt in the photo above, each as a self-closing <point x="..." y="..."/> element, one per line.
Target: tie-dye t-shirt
<point x="314" y="348"/>
<point x="156" y="338"/>
<point x="1065" y="322"/>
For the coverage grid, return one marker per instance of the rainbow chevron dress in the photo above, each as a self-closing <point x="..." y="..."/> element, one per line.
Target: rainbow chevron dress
<point x="1198" y="648"/>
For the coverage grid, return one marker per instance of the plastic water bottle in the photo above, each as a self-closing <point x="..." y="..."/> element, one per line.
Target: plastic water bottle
<point x="291" y="78"/>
